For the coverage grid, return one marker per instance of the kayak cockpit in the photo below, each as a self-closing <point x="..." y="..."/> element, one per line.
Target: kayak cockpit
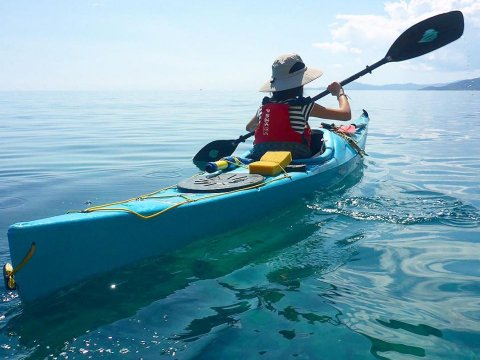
<point x="323" y="144"/>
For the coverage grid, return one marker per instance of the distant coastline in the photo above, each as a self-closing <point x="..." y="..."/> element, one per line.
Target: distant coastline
<point x="469" y="85"/>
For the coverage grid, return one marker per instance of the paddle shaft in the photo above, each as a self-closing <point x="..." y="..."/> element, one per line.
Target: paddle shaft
<point x="367" y="70"/>
<point x="244" y="137"/>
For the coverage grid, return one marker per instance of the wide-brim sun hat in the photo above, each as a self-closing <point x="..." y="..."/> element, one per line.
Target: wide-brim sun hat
<point x="288" y="72"/>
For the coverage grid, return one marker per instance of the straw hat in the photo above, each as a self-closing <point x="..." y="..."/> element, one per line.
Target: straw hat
<point x="288" y="72"/>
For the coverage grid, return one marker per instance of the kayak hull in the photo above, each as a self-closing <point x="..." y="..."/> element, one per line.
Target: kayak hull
<point x="72" y="247"/>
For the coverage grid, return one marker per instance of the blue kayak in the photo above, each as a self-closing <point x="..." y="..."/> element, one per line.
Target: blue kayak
<point x="75" y="246"/>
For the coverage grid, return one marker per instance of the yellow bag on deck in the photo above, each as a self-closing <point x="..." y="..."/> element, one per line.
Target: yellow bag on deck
<point x="271" y="163"/>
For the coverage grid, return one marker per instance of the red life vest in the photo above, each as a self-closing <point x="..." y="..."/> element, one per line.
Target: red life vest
<point x="275" y="126"/>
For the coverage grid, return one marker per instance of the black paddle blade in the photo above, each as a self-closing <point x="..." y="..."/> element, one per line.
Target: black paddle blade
<point x="426" y="36"/>
<point x="216" y="150"/>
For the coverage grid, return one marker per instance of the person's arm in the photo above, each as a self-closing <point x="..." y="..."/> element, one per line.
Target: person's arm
<point x="252" y="124"/>
<point x="342" y="113"/>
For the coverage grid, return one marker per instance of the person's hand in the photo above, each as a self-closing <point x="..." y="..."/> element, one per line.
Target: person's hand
<point x="335" y="89"/>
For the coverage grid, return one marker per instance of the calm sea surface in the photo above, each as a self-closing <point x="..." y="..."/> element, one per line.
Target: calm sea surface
<point x="386" y="266"/>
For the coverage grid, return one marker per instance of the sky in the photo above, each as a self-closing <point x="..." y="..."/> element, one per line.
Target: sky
<point x="218" y="44"/>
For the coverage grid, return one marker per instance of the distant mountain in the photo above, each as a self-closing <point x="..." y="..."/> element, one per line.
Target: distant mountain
<point x="471" y="84"/>
<point x="409" y="86"/>
<point x="360" y="86"/>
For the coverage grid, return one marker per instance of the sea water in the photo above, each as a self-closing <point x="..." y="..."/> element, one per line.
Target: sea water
<point x="384" y="266"/>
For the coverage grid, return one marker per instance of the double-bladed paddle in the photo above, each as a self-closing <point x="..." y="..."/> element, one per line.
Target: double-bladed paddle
<point x="426" y="36"/>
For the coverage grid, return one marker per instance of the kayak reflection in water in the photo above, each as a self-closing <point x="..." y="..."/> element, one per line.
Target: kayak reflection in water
<point x="281" y="122"/>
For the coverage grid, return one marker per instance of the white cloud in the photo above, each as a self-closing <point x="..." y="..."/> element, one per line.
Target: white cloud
<point x="376" y="33"/>
<point x="472" y="13"/>
<point x="398" y="17"/>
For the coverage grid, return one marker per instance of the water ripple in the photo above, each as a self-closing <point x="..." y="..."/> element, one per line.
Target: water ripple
<point x="412" y="207"/>
<point x="11" y="202"/>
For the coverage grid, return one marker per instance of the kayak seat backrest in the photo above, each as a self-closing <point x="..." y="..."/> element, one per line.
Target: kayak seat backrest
<point x="317" y="145"/>
<point x="326" y="150"/>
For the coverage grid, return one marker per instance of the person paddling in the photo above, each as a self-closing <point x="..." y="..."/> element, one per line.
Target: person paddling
<point x="281" y="122"/>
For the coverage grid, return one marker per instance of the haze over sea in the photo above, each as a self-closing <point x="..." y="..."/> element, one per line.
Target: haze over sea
<point x="385" y="266"/>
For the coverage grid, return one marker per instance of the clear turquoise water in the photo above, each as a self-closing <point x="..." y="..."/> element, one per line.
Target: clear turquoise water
<point x="386" y="266"/>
